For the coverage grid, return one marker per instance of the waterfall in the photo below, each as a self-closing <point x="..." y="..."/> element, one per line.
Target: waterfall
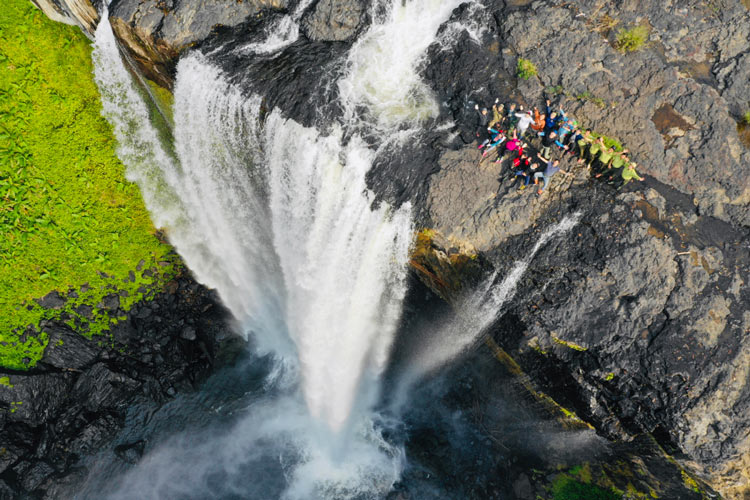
<point x="380" y="69"/>
<point x="278" y="219"/>
<point x="477" y="311"/>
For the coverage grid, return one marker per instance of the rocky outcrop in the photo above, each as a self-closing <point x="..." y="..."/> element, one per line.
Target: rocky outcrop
<point x="84" y="13"/>
<point x="153" y="33"/>
<point x="333" y="20"/>
<point x="76" y="398"/>
<point x="695" y="148"/>
<point x="636" y="320"/>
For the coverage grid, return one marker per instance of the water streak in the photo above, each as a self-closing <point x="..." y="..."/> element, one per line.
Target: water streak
<point x="477" y="311"/>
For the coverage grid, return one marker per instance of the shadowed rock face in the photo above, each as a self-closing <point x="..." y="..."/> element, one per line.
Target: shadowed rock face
<point x="76" y="398"/>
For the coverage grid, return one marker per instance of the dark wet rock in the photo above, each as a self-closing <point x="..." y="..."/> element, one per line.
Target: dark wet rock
<point x="52" y="300"/>
<point x="67" y="349"/>
<point x="154" y="33"/>
<point x="188" y="333"/>
<point x="110" y="302"/>
<point x="333" y="20"/>
<point x="130" y="452"/>
<point x="75" y="399"/>
<point x="6" y="492"/>
<point x="522" y="488"/>
<point x="36" y="475"/>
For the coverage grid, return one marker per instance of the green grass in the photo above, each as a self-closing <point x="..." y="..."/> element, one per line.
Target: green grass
<point x="68" y="217"/>
<point x="633" y="39"/>
<point x="746" y="118"/>
<point x="566" y="488"/>
<point x="525" y="69"/>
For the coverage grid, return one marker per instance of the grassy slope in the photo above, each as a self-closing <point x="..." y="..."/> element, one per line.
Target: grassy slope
<point x="67" y="214"/>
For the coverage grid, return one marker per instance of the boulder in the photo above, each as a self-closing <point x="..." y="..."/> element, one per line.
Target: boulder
<point x="333" y="20"/>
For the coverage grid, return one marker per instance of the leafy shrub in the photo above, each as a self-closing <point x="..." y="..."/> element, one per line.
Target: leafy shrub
<point x="630" y="40"/>
<point x="526" y="69"/>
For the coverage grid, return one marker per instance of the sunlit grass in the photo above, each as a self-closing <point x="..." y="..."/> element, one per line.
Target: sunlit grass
<point x="68" y="217"/>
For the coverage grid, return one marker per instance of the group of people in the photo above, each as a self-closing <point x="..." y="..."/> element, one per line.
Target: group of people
<point x="509" y="128"/>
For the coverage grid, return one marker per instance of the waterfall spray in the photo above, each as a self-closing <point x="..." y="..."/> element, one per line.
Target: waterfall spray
<point x="476" y="312"/>
<point x="278" y="219"/>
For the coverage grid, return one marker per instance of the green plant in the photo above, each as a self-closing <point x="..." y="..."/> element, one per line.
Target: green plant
<point x="68" y="216"/>
<point x="746" y="118"/>
<point x="525" y="69"/>
<point x="566" y="488"/>
<point x="630" y="40"/>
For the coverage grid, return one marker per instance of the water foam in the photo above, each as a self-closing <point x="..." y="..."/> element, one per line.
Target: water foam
<point x="381" y="69"/>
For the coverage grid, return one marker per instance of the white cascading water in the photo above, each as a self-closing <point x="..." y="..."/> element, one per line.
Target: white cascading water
<point x="278" y="219"/>
<point x="381" y="67"/>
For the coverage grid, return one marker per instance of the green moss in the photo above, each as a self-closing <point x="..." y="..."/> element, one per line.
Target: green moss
<point x="569" y="345"/>
<point x="746" y="118"/>
<point x="609" y="376"/>
<point x="67" y="216"/>
<point x="164" y="98"/>
<point x="5" y="381"/>
<point x="525" y="69"/>
<point x="582" y="472"/>
<point x="630" y="40"/>
<point x="690" y="482"/>
<point x="565" y="487"/>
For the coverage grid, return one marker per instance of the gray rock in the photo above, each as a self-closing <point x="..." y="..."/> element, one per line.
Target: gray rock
<point x="84" y="13"/>
<point x="68" y="350"/>
<point x="333" y="20"/>
<point x="36" y="475"/>
<point x="52" y="300"/>
<point x="155" y="33"/>
<point x="188" y="333"/>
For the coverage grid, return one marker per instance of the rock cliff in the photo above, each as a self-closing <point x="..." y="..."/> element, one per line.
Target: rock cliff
<point x="639" y="319"/>
<point x="77" y="396"/>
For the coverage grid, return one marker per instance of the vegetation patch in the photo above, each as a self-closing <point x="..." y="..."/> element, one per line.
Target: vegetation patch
<point x="525" y="69"/>
<point x="69" y="220"/>
<point x="567" y="488"/>
<point x="569" y="345"/>
<point x="746" y="118"/>
<point x="632" y="39"/>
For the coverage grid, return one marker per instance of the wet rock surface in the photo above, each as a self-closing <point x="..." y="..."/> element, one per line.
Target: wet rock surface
<point x="75" y="399"/>
<point x="639" y="320"/>
<point x="154" y="32"/>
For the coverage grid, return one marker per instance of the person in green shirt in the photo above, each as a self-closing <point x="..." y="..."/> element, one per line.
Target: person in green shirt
<point x="594" y="149"/>
<point x="618" y="161"/>
<point x="498" y="110"/>
<point x="603" y="160"/>
<point x="583" y="144"/>
<point x="629" y="173"/>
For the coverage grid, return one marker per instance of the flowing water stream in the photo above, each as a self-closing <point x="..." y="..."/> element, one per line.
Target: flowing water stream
<point x="278" y="219"/>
